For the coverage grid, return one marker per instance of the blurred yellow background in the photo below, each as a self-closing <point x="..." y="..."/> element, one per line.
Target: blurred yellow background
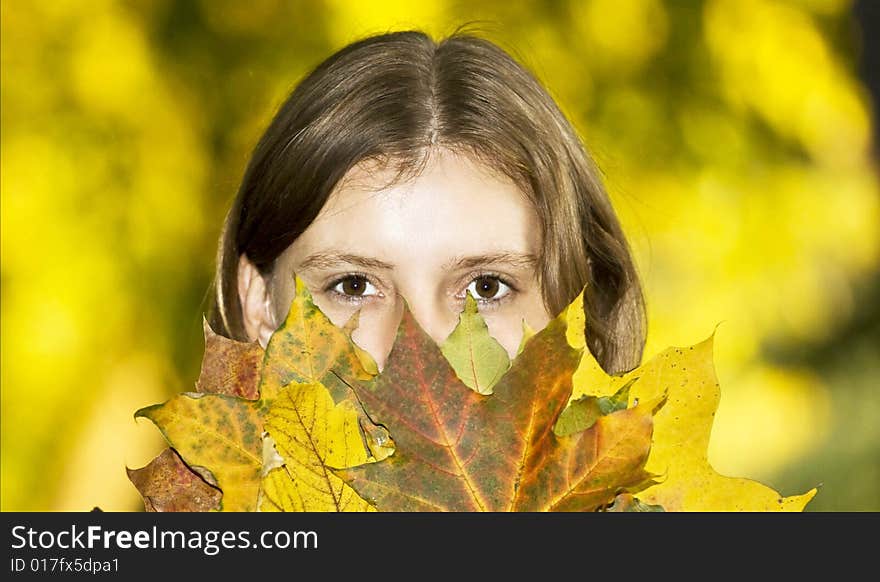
<point x="736" y="138"/>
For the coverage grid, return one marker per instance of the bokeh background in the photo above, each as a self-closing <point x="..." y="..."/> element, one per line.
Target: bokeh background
<point x="737" y="138"/>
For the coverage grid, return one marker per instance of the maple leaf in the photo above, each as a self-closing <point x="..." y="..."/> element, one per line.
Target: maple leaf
<point x="681" y="430"/>
<point x="477" y="358"/>
<point x="456" y="450"/>
<point x="311" y="425"/>
<point x="221" y="431"/>
<point x="307" y="346"/>
<point x="230" y="367"/>
<point x="168" y="484"/>
<point x="311" y="433"/>
<point x="582" y="413"/>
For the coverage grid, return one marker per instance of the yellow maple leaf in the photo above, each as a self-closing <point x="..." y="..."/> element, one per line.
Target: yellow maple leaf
<point x="220" y="434"/>
<point x="309" y="348"/>
<point x="312" y="434"/>
<point x="679" y="451"/>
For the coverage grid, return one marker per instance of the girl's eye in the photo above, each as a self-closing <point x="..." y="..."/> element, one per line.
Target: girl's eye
<point x="487" y="288"/>
<point x="352" y="287"/>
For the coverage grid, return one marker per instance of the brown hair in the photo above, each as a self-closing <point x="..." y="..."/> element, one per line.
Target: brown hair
<point x="394" y="97"/>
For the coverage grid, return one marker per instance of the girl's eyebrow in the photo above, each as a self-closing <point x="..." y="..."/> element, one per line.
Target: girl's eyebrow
<point x="510" y="258"/>
<point x="330" y="259"/>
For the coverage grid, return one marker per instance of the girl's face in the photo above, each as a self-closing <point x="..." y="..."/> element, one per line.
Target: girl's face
<point x="456" y="227"/>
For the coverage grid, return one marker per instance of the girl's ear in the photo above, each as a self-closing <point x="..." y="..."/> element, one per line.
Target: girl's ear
<point x="256" y="303"/>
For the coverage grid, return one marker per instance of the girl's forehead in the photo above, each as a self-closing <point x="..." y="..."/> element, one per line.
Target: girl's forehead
<point x="445" y="177"/>
<point x="453" y="207"/>
<point x="374" y="175"/>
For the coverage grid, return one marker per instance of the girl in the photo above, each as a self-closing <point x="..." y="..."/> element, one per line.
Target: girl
<point x="404" y="169"/>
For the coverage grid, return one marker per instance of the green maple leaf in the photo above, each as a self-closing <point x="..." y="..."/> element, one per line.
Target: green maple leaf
<point x="478" y="359"/>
